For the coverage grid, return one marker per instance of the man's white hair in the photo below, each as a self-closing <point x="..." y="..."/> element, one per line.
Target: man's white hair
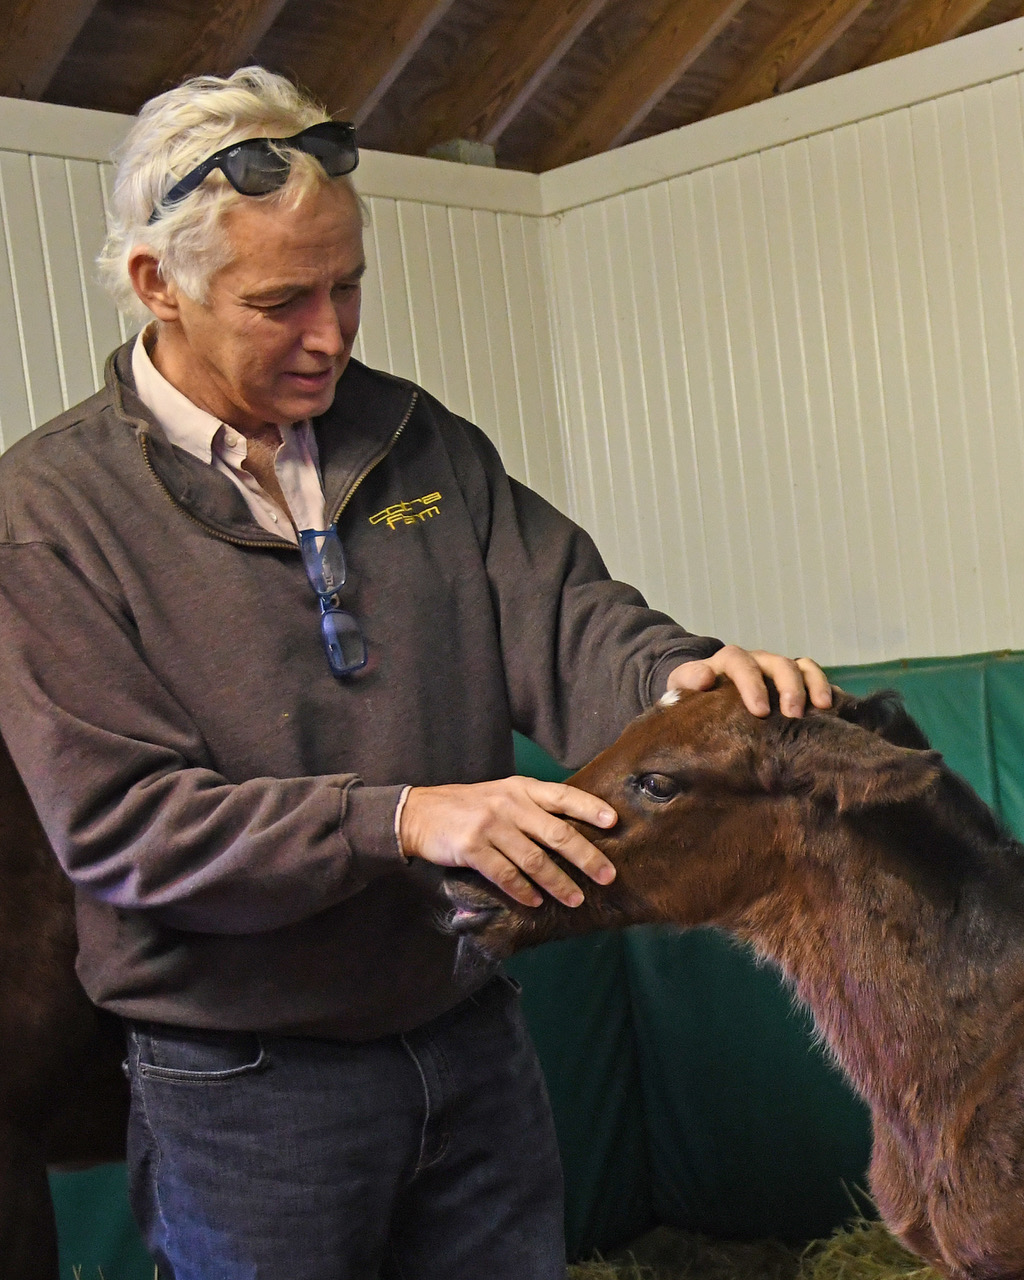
<point x="175" y="132"/>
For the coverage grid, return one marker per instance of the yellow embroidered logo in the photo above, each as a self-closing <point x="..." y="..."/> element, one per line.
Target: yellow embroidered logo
<point x="412" y="512"/>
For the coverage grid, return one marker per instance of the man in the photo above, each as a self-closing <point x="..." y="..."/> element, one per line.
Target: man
<point x="255" y="722"/>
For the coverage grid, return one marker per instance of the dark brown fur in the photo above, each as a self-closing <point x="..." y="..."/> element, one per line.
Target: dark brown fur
<point x="63" y="1097"/>
<point x="887" y="893"/>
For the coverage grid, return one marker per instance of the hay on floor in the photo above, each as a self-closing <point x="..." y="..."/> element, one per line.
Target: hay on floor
<point x="863" y="1251"/>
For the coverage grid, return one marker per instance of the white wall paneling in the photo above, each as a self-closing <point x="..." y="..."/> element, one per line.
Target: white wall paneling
<point x="457" y="301"/>
<point x="56" y="324"/>
<point x="822" y="350"/>
<point x="771" y="361"/>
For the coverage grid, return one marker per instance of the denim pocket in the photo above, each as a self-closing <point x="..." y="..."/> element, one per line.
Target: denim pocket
<point x="197" y="1057"/>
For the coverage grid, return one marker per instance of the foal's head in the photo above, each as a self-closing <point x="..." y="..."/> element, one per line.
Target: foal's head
<point x="711" y="802"/>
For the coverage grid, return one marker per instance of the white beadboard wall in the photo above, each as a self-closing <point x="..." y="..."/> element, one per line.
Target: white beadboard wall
<point x="771" y="361"/>
<point x="456" y="300"/>
<point x="793" y="388"/>
<point x="56" y="324"/>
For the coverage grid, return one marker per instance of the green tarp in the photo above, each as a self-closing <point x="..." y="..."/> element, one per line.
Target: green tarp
<point x="686" y="1087"/>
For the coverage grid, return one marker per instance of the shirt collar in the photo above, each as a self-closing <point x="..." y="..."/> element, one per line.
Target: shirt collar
<point x="183" y="422"/>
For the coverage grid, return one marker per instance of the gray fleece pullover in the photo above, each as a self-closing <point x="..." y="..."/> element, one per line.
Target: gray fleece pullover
<point x="223" y="804"/>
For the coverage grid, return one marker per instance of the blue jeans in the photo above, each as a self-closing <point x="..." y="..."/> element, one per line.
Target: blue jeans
<point x="426" y="1156"/>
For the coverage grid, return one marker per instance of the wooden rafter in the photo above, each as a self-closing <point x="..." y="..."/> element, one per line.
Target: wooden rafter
<point x="805" y="38"/>
<point x="34" y="37"/>
<point x="642" y="79"/>
<point x="498" y="71"/>
<point x="222" y="41"/>
<point x="923" y="23"/>
<point x="352" y="75"/>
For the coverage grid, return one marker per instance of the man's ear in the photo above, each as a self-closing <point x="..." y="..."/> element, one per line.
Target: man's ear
<point x="154" y="292"/>
<point x="852" y="767"/>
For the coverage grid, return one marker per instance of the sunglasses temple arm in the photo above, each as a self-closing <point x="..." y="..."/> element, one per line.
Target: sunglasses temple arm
<point x="185" y="187"/>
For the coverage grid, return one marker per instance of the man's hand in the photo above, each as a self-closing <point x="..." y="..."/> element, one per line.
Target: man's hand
<point x="795" y="680"/>
<point x="503" y="829"/>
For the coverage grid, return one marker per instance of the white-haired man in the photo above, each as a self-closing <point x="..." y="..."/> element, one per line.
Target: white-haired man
<point x="253" y="750"/>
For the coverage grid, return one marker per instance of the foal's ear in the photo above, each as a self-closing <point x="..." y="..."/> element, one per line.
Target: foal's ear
<point x="857" y="769"/>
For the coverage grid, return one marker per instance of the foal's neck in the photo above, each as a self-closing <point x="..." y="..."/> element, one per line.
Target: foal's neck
<point x="908" y="983"/>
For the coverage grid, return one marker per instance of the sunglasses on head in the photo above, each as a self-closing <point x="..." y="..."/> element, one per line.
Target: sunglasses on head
<point x="256" y="166"/>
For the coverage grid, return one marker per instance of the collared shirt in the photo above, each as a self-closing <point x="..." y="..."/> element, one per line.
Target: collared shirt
<point x="224" y="448"/>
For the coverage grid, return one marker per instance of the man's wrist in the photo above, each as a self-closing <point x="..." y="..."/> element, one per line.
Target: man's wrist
<point x="399" y="810"/>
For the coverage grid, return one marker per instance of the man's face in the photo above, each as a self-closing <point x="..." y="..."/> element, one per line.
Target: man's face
<point x="276" y="331"/>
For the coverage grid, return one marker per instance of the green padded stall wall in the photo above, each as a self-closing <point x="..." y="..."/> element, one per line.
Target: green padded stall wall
<point x="98" y="1238"/>
<point x="577" y="1001"/>
<point x="686" y="1087"/>
<point x="751" y="1132"/>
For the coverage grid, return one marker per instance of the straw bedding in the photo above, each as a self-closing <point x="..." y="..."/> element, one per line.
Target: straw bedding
<point x="863" y="1251"/>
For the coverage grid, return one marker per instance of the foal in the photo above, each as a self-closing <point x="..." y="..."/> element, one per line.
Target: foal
<point x="847" y="853"/>
<point x="63" y="1098"/>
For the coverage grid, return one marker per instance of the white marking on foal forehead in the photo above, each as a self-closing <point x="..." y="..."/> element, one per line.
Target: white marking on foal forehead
<point x="670" y="699"/>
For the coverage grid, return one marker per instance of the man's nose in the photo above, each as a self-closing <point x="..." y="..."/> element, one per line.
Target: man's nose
<point x="323" y="328"/>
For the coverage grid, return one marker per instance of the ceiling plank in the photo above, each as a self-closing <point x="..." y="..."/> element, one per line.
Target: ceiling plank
<point x="923" y="23"/>
<point x="35" y="36"/>
<point x="646" y="73"/>
<point x="221" y="42"/>
<point x="528" y="83"/>
<point x="497" y="71"/>
<point x="804" y="39"/>
<point x="352" y="75"/>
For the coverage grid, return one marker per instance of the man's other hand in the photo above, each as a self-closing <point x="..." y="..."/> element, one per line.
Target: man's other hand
<point x="505" y="830"/>
<point x="796" y="680"/>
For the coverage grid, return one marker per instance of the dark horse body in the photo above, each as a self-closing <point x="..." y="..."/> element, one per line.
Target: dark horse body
<point x="64" y="1098"/>
<point x="845" y="851"/>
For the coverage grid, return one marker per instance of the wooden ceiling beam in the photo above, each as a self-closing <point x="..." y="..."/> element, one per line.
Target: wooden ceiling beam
<point x="923" y="23"/>
<point x="221" y="42"/>
<point x="35" y="36"/>
<point x="643" y="77"/>
<point x="498" y="72"/>
<point x="352" y="75"/>
<point x="805" y="38"/>
<point x="536" y="70"/>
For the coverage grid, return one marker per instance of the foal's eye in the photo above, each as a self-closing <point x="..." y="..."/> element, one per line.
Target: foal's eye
<point x="658" y="787"/>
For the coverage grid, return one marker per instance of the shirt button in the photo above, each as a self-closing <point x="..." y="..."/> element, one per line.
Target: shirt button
<point x="231" y="440"/>
<point x="273" y="516"/>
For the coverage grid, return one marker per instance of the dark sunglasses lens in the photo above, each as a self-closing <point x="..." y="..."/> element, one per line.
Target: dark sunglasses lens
<point x="254" y="168"/>
<point x="337" y="154"/>
<point x="346" y="648"/>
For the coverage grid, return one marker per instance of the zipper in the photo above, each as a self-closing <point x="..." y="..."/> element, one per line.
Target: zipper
<point x="224" y="537"/>
<point x="374" y="461"/>
<point x="280" y="542"/>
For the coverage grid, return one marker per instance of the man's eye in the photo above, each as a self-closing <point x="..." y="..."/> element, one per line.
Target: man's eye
<point x="272" y="304"/>
<point x="659" y="787"/>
